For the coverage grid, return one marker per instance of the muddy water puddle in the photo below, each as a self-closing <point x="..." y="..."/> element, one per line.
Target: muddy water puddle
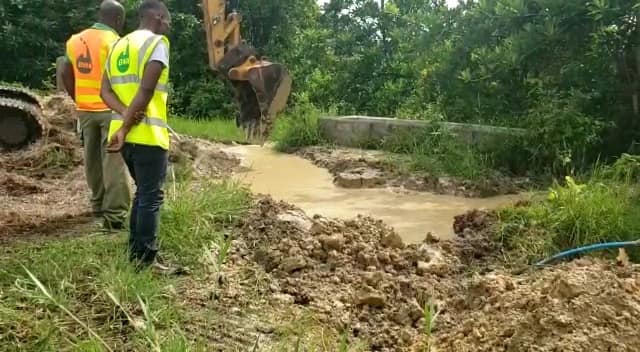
<point x="296" y="180"/>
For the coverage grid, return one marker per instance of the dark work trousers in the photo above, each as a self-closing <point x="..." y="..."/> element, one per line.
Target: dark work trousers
<point x="148" y="167"/>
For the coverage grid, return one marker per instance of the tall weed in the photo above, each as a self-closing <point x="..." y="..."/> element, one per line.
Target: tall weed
<point x="298" y="128"/>
<point x="434" y="150"/>
<point x="573" y="215"/>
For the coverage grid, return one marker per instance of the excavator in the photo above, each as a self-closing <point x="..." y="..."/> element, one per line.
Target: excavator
<point x="261" y="88"/>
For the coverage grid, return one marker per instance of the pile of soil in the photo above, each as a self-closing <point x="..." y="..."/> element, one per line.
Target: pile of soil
<point x="57" y="151"/>
<point x="581" y="306"/>
<point x="43" y="187"/>
<point x="354" y="168"/>
<point x="203" y="159"/>
<point x="357" y="276"/>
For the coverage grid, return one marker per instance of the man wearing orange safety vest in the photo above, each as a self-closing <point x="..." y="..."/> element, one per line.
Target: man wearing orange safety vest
<point x="86" y="55"/>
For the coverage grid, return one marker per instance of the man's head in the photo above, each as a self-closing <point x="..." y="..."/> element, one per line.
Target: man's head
<point x="154" y="16"/>
<point x="112" y="14"/>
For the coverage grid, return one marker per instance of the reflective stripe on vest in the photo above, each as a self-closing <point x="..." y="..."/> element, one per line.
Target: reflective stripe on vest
<point x="152" y="121"/>
<point x="125" y="69"/>
<point x="88" y="52"/>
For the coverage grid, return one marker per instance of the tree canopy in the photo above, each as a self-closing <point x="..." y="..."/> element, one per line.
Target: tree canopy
<point x="568" y="70"/>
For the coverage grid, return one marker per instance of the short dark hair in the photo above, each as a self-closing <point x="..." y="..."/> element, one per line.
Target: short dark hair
<point x="148" y="7"/>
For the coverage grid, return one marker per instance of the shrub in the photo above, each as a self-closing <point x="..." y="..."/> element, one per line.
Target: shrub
<point x="298" y="128"/>
<point x="573" y="215"/>
<point x="561" y="138"/>
<point x="434" y="150"/>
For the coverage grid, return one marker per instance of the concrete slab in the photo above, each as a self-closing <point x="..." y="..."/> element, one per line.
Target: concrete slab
<point x="356" y="130"/>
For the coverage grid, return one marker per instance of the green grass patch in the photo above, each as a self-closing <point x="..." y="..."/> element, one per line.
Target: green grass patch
<point x="82" y="294"/>
<point x="425" y="150"/>
<point x="194" y="220"/>
<point x="305" y="333"/>
<point x="435" y="151"/>
<point x="221" y="130"/>
<point x="298" y="128"/>
<point x="603" y="208"/>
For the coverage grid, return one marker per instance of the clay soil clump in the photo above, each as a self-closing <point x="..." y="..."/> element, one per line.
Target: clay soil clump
<point x="581" y="306"/>
<point x="357" y="276"/>
<point x="201" y="158"/>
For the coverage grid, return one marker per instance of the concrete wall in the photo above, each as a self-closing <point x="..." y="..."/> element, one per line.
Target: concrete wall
<point x="352" y="131"/>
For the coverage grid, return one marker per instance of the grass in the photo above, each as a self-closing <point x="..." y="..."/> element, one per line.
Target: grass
<point x="430" y="315"/>
<point x="81" y="294"/>
<point x="305" y="333"/>
<point x="297" y="129"/>
<point x="603" y="207"/>
<point x="435" y="151"/>
<point x="221" y="130"/>
<point x="429" y="150"/>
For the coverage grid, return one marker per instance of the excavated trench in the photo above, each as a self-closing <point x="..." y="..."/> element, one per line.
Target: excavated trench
<point x="353" y="273"/>
<point x="298" y="181"/>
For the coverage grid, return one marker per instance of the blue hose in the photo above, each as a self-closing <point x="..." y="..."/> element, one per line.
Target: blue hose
<point x="587" y="249"/>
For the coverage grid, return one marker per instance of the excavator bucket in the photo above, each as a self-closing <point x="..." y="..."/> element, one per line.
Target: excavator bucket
<point x="261" y="88"/>
<point x="271" y="84"/>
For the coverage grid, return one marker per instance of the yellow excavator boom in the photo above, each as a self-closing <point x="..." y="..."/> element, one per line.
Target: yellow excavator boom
<point x="261" y="87"/>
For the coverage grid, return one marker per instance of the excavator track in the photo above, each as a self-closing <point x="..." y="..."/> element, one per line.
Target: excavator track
<point x="20" y="117"/>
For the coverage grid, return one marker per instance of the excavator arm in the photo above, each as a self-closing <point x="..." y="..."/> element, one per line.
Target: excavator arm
<point x="261" y="87"/>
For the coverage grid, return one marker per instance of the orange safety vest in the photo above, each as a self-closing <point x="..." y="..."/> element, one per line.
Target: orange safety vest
<point x="87" y="51"/>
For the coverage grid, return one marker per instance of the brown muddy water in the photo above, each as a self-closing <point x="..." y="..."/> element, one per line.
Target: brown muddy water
<point x="296" y="180"/>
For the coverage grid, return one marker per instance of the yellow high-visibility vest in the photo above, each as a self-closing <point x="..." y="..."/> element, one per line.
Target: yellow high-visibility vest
<point x="87" y="51"/>
<point x="125" y="68"/>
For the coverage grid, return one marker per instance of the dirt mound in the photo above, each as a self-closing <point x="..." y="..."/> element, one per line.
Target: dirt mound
<point x="57" y="151"/>
<point x="357" y="277"/>
<point x="353" y="168"/>
<point x="205" y="159"/>
<point x="356" y="274"/>
<point x="581" y="306"/>
<point x="45" y="189"/>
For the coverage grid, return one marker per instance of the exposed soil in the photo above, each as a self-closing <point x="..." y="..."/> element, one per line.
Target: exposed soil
<point x="43" y="187"/>
<point x="355" y="168"/>
<point x="358" y="276"/>
<point x="581" y="306"/>
<point x="203" y="159"/>
<point x="352" y="275"/>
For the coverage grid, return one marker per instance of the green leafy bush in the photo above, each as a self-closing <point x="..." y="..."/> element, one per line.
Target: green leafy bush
<point x="298" y="128"/>
<point x="561" y="139"/>
<point x="573" y="215"/>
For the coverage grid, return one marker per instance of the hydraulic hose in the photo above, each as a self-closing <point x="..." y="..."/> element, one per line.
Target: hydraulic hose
<point x="593" y="247"/>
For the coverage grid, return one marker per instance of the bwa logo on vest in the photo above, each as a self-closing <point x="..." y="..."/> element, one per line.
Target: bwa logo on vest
<point x="124" y="61"/>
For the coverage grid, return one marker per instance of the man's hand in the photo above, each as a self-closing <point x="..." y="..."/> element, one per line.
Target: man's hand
<point x="117" y="140"/>
<point x="139" y="116"/>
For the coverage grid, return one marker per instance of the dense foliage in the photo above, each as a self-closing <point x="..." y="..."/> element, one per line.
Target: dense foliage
<point x="568" y="70"/>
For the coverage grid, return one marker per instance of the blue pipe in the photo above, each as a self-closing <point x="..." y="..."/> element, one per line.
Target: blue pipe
<point x="587" y="249"/>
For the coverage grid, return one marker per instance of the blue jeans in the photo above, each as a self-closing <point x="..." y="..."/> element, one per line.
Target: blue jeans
<point x="148" y="167"/>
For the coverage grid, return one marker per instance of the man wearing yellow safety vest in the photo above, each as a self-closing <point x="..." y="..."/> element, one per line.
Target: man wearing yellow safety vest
<point x="86" y="55"/>
<point x="135" y="88"/>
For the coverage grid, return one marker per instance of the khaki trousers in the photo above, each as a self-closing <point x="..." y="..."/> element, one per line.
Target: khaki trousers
<point x="106" y="173"/>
